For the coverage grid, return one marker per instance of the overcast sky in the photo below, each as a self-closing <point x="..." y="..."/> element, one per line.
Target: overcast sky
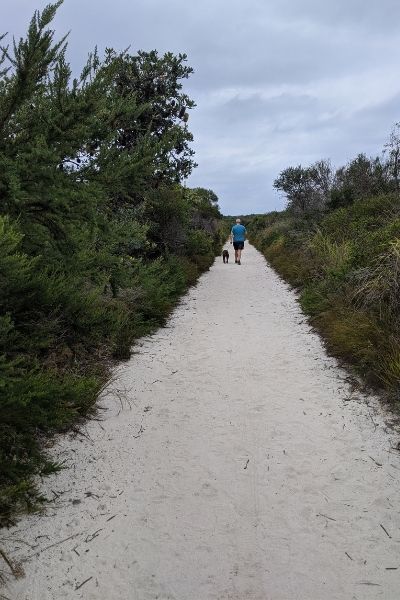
<point x="277" y="82"/>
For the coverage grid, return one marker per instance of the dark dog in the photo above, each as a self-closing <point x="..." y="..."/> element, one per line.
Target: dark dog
<point x="225" y="256"/>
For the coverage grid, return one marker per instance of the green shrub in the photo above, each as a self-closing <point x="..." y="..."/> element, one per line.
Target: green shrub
<point x="161" y="283"/>
<point x="199" y="243"/>
<point x="34" y="403"/>
<point x="98" y="236"/>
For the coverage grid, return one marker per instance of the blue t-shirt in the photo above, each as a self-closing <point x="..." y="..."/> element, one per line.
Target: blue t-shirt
<point x="238" y="233"/>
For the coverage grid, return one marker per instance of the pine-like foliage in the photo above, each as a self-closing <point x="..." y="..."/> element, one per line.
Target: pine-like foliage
<point x="97" y="236"/>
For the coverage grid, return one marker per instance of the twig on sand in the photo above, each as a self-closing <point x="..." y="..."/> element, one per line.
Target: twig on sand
<point x="19" y="541"/>
<point x="385" y="530"/>
<point x="348" y="555"/>
<point x="391" y="568"/>
<point x="139" y="433"/>
<point x="78" y="587"/>
<point x="326" y="516"/>
<point x="90" y="494"/>
<point x="91" y="536"/>
<point x="375" y="461"/>
<point x="111" y="518"/>
<point x="375" y="424"/>
<point x="52" y="545"/>
<point x="247" y="462"/>
<point x="15" y="568"/>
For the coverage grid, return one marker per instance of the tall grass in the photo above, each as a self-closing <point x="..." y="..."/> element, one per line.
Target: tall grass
<point x="379" y="287"/>
<point x="346" y="266"/>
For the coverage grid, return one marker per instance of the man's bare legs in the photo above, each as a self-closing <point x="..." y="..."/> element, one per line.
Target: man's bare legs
<point x="238" y="255"/>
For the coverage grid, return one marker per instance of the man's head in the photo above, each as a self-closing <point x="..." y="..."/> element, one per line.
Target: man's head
<point x="237" y="220"/>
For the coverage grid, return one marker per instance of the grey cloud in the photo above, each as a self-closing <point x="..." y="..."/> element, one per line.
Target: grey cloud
<point x="277" y="82"/>
<point x="379" y="17"/>
<point x="270" y="115"/>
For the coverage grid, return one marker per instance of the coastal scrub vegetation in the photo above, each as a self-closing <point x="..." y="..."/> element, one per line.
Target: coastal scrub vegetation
<point x="338" y="244"/>
<point x="98" y="235"/>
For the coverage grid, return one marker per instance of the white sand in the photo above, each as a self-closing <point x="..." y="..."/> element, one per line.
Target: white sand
<point x="241" y="470"/>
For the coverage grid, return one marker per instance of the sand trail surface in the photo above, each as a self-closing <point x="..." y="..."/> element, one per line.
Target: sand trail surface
<point x="233" y="462"/>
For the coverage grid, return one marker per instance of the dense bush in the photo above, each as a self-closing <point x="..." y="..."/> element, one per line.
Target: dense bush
<point x="98" y="238"/>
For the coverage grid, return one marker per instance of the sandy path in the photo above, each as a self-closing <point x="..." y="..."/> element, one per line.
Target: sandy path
<point x="240" y="470"/>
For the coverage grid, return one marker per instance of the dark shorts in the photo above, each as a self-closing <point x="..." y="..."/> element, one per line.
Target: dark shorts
<point x="238" y="245"/>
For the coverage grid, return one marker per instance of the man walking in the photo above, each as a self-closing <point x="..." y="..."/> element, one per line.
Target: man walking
<point x="238" y="236"/>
